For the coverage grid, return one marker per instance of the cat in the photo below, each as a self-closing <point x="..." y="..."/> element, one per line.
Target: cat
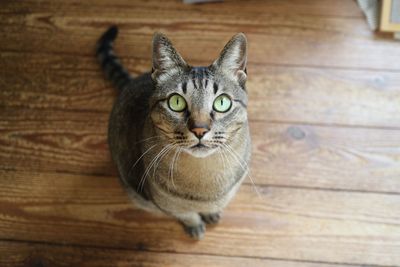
<point x="179" y="135"/>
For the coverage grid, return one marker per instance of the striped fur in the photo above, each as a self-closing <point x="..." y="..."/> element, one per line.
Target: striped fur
<point x="110" y="63"/>
<point x="163" y="165"/>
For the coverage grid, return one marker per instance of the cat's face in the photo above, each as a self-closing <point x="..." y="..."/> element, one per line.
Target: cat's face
<point x="199" y="109"/>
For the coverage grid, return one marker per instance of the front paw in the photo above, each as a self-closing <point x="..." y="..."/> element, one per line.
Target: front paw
<point x="210" y="218"/>
<point x="195" y="231"/>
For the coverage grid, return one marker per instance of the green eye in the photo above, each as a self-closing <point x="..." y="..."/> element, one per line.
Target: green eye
<point x="222" y="103"/>
<point x="176" y="103"/>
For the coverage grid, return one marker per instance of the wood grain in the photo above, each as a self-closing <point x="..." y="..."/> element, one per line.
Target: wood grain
<point x="283" y="154"/>
<point x="275" y="38"/>
<point x="322" y="8"/>
<point x="324" y="109"/>
<point x="55" y="140"/>
<point x="313" y="225"/>
<point x="308" y="95"/>
<point x="324" y="157"/>
<point x="34" y="254"/>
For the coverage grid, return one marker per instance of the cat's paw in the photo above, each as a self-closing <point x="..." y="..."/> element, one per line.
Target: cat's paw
<point x="210" y="218"/>
<point x="195" y="231"/>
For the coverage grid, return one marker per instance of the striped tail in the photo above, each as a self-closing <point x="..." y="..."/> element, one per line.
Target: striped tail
<point x="110" y="63"/>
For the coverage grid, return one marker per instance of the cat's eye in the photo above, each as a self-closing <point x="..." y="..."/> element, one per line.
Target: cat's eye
<point x="222" y="103"/>
<point x="176" y="103"/>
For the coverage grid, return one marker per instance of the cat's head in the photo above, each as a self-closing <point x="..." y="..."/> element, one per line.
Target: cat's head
<point x="199" y="109"/>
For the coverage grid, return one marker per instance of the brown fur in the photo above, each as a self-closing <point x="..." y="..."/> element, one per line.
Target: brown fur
<point x="155" y="149"/>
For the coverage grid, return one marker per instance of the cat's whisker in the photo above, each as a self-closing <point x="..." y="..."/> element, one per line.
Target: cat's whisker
<point x="158" y="160"/>
<point x="244" y="167"/>
<point x="180" y="151"/>
<point x="151" y="164"/>
<point x="137" y="161"/>
<point x="148" y="169"/>
<point x="187" y="120"/>
<point x="171" y="168"/>
<point x="147" y="139"/>
<point x="222" y="159"/>
<point x="159" y="156"/>
<point x="174" y="161"/>
<point x="227" y="160"/>
<point x="234" y="131"/>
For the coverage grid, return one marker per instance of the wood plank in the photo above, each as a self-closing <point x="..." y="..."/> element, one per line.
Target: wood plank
<point x="16" y="254"/>
<point x="309" y="95"/>
<point x="340" y="8"/>
<point x="324" y="157"/>
<point x="283" y="154"/>
<point x="275" y="38"/>
<point x="298" y="94"/>
<point x="313" y="225"/>
<point x="55" y="140"/>
<point x="55" y="82"/>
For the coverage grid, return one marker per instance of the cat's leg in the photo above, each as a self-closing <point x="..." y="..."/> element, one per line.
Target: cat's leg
<point x="211" y="218"/>
<point x="193" y="224"/>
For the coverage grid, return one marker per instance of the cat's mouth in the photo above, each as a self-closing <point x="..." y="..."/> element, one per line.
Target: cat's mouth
<point x="199" y="145"/>
<point x="200" y="150"/>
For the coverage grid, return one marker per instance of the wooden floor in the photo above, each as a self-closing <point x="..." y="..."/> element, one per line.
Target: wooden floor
<point x="325" y="120"/>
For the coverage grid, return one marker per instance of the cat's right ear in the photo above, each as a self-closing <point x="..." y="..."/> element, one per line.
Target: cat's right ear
<point x="166" y="60"/>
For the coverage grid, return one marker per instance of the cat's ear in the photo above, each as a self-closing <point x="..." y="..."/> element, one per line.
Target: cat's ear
<point x="166" y="60"/>
<point x="233" y="58"/>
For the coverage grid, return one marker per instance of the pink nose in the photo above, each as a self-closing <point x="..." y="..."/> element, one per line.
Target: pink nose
<point x="199" y="132"/>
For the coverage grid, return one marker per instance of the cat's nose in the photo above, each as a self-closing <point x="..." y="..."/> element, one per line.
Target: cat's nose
<point x="199" y="132"/>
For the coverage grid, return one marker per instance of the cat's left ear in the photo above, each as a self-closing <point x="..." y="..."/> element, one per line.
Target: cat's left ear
<point x="233" y="58"/>
<point x="166" y="60"/>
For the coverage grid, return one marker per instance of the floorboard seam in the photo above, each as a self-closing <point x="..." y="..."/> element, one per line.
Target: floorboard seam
<point x="287" y="65"/>
<point x="55" y="244"/>
<point x="329" y="125"/>
<point x="111" y="176"/>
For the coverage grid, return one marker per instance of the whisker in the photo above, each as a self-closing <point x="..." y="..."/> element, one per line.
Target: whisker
<point x="187" y="120"/>
<point x="235" y="130"/>
<point x="161" y="157"/>
<point x="171" y="169"/>
<point x="146" y="173"/>
<point x="146" y="139"/>
<point x="136" y="162"/>
<point x="227" y="160"/>
<point x="245" y="168"/>
<point x="174" y="160"/>
<point x="222" y="158"/>
<point x="151" y="164"/>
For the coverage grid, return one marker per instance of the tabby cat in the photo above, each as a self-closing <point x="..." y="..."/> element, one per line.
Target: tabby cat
<point x="179" y="135"/>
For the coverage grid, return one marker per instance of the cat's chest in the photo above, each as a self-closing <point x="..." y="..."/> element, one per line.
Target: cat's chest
<point x="188" y="170"/>
<point x="207" y="178"/>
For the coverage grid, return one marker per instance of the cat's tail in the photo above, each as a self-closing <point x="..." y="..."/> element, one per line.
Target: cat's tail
<point x="110" y="63"/>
